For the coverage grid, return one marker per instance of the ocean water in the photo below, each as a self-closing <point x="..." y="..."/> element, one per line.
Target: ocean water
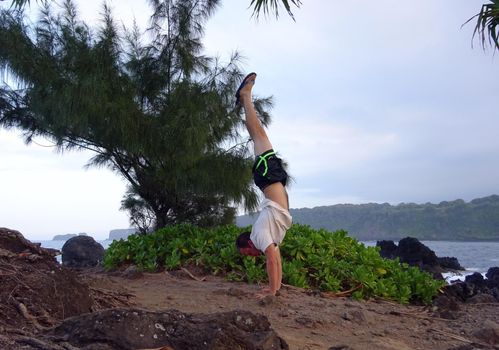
<point x="473" y="256"/>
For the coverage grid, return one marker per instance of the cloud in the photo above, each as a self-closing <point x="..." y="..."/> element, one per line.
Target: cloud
<point x="323" y="146"/>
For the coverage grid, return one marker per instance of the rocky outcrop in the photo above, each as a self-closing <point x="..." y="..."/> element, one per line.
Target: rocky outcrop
<point x="129" y="328"/>
<point x="493" y="275"/>
<point x="81" y="252"/>
<point x="476" y="288"/>
<point x="37" y="291"/>
<point x="13" y="244"/>
<point x="413" y="252"/>
<point x="388" y="249"/>
<point x="449" y="263"/>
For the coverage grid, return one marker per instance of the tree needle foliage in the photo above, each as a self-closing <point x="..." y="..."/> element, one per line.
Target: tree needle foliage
<point x="151" y="107"/>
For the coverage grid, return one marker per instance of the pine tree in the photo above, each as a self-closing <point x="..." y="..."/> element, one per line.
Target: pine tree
<point x="159" y="113"/>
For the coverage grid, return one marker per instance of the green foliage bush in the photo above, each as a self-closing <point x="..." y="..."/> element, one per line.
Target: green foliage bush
<point x="319" y="259"/>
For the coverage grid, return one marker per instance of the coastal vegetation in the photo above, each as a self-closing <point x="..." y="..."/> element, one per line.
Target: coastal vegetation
<point x="449" y="220"/>
<point x="328" y="261"/>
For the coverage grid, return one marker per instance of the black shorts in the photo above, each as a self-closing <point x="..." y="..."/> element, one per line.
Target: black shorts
<point x="268" y="170"/>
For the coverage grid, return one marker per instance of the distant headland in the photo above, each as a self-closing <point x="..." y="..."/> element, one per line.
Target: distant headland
<point x="121" y="233"/>
<point x="477" y="220"/>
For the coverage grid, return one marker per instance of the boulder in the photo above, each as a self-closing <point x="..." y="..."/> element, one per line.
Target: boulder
<point x="81" y="252"/>
<point x="446" y="307"/>
<point x="477" y="280"/>
<point x="456" y="291"/>
<point x="412" y="251"/>
<point x="131" y="328"/>
<point x="493" y="277"/>
<point x="388" y="249"/>
<point x="449" y="263"/>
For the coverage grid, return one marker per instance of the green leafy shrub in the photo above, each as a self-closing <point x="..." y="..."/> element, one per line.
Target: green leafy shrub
<point x="320" y="259"/>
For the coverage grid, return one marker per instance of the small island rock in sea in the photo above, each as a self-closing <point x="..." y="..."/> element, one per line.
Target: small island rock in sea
<point x="67" y="236"/>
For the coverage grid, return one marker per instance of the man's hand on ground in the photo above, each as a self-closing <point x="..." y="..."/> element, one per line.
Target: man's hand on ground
<point x="265" y="292"/>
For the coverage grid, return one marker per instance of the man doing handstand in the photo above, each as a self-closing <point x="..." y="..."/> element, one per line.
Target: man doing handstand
<point x="269" y="175"/>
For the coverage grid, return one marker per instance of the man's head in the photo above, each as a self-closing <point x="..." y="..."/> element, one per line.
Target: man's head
<point x="245" y="246"/>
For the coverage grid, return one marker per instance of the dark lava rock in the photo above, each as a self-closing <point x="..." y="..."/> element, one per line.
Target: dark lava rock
<point x="459" y="291"/>
<point x="449" y="263"/>
<point x="476" y="279"/>
<point x="446" y="307"/>
<point x="129" y="328"/>
<point x="475" y="289"/>
<point x="493" y="277"/>
<point x="412" y="251"/>
<point x="82" y="251"/>
<point x="388" y="249"/>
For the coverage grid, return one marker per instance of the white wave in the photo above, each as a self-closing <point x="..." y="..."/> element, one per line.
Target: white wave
<point x="460" y="275"/>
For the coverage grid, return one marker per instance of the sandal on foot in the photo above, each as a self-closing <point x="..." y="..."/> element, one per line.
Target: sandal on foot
<point x="246" y="80"/>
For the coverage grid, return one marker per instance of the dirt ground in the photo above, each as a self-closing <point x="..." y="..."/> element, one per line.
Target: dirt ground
<point x="311" y="321"/>
<point x="36" y="293"/>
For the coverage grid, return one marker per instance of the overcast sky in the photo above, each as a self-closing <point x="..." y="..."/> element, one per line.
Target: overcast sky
<point x="375" y="101"/>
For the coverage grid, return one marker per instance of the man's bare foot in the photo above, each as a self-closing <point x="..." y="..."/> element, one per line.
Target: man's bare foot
<point x="244" y="91"/>
<point x="266" y="291"/>
<point x="263" y="295"/>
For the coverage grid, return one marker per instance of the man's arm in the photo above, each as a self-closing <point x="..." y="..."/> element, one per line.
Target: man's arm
<point x="273" y="266"/>
<point x="279" y="268"/>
